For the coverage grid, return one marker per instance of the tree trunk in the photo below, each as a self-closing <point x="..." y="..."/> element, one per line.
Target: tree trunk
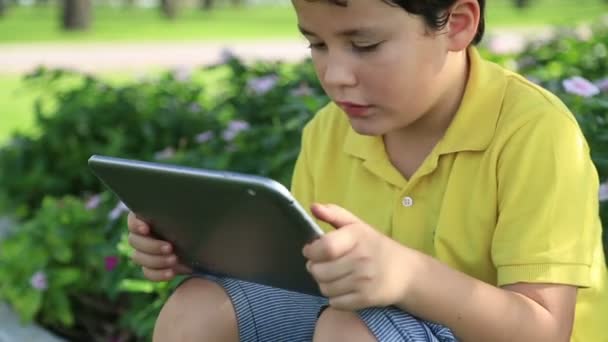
<point x="207" y="5"/>
<point x="169" y="8"/>
<point x="3" y="4"/>
<point x="236" y="3"/>
<point x="522" y="3"/>
<point x="76" y="14"/>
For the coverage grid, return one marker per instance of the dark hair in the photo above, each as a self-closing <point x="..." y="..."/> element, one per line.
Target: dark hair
<point x="433" y="12"/>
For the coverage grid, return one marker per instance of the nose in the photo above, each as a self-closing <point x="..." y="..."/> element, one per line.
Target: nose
<point x="339" y="73"/>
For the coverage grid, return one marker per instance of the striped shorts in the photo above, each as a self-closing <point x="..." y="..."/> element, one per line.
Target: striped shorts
<point x="268" y="314"/>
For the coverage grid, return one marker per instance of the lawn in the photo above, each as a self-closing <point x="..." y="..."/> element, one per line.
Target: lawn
<point x="15" y="106"/>
<point x="17" y="99"/>
<point x="31" y="24"/>
<point x="17" y="103"/>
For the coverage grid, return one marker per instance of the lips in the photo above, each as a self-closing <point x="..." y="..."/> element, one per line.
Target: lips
<point x="354" y="109"/>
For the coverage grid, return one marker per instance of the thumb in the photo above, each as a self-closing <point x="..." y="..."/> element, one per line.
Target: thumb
<point x="335" y="215"/>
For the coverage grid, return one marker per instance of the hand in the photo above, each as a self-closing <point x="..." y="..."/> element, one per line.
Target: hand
<point x="356" y="266"/>
<point x="156" y="257"/>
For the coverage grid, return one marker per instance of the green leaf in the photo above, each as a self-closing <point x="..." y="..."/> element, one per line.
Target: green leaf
<point x="63" y="254"/>
<point x="64" y="276"/>
<point x="28" y="305"/>
<point x="135" y="285"/>
<point x="61" y="309"/>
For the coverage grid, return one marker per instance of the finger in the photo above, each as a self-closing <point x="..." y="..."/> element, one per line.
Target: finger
<point x="331" y="246"/>
<point x="337" y="288"/>
<point x="348" y="302"/>
<point x="158" y="275"/>
<point x="154" y="261"/>
<point x="136" y="225"/>
<point x="330" y="271"/>
<point x="149" y="245"/>
<point x="335" y="215"/>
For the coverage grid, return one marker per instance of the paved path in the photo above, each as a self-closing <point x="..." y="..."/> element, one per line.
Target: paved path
<point x="143" y="56"/>
<point x="11" y="330"/>
<point x="19" y="58"/>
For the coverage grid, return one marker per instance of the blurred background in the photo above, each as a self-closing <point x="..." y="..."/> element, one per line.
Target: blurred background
<point x="118" y="39"/>
<point x="122" y="39"/>
<point x="224" y="84"/>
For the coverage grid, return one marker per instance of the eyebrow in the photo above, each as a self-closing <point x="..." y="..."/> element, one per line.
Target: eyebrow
<point x="344" y="33"/>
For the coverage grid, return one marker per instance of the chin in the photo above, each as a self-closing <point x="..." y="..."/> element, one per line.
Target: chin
<point x="366" y="128"/>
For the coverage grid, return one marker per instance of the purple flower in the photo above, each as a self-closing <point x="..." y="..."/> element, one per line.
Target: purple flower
<point x="302" y="90"/>
<point x="93" y="202"/>
<point x="262" y="85"/>
<point x="111" y="262"/>
<point x="118" y="210"/>
<point x="39" y="281"/>
<point x="602" y="84"/>
<point x="580" y="86"/>
<point x="234" y="128"/>
<point x="604" y="192"/>
<point x="166" y="153"/>
<point x="204" y="137"/>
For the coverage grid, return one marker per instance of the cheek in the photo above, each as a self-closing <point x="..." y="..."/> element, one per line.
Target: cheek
<point x="391" y="83"/>
<point x="402" y="79"/>
<point x="319" y="65"/>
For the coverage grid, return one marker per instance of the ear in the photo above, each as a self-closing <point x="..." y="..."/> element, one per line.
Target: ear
<point x="462" y="24"/>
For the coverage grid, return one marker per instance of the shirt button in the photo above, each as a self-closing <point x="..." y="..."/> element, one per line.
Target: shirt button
<point x="407" y="202"/>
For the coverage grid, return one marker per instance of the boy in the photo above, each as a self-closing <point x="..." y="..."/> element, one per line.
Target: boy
<point x="460" y="193"/>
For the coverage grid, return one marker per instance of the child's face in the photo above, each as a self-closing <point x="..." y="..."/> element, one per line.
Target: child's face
<point x="375" y="55"/>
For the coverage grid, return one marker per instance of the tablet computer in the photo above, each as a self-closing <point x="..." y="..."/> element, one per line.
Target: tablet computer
<point x="221" y="223"/>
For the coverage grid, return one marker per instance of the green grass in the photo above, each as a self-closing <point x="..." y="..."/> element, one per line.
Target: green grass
<point x="113" y="24"/>
<point x="17" y="103"/>
<point x="32" y="24"/>
<point x="17" y="99"/>
<point x="16" y="106"/>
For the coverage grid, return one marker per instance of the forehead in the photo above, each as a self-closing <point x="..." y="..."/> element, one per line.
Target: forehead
<point x="338" y="16"/>
<point x="357" y="18"/>
<point x="340" y="5"/>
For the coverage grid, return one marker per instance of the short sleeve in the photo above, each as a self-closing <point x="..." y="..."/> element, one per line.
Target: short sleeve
<point x="548" y="205"/>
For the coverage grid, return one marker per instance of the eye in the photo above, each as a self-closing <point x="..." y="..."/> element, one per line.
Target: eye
<point x="365" y="48"/>
<point x="317" y="46"/>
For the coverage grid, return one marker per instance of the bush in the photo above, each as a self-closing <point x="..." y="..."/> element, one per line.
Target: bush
<point x="79" y="280"/>
<point x="175" y="119"/>
<point x="155" y="119"/>
<point x="79" y="285"/>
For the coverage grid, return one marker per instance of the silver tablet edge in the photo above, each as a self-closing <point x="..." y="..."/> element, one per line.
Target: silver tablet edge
<point x="268" y="183"/>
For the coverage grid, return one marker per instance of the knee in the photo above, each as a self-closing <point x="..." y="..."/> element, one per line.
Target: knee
<point x="198" y="310"/>
<point x="335" y="325"/>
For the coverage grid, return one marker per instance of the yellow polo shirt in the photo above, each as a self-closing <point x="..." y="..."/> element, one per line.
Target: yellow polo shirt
<point x="509" y="194"/>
